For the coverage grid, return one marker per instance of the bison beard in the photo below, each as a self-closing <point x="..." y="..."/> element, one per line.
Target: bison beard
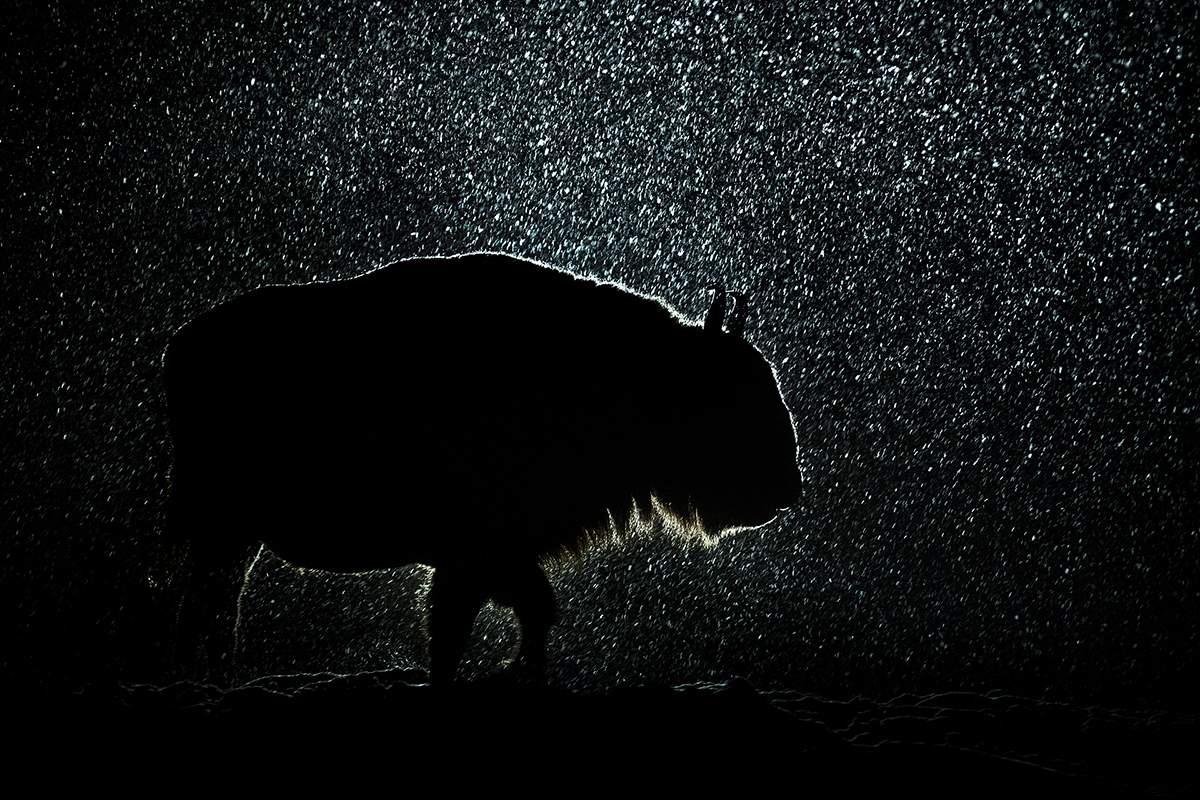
<point x="474" y="414"/>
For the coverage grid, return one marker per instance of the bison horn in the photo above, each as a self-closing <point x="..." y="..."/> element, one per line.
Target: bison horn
<point x="737" y="320"/>
<point x="716" y="311"/>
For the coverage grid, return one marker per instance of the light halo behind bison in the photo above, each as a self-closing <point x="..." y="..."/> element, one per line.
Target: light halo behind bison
<point x="476" y="414"/>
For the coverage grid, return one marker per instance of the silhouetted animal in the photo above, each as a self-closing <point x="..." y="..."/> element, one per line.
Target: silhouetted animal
<point x="474" y="414"/>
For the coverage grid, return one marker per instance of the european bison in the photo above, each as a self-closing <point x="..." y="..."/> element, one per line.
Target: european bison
<point x="474" y="414"/>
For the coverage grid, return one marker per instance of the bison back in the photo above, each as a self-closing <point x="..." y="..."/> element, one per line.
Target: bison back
<point x="399" y="415"/>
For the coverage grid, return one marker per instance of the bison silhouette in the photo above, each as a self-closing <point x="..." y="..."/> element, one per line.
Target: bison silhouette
<point x="475" y="414"/>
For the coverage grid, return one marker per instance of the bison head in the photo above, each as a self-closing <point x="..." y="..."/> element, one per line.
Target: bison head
<point x="732" y="444"/>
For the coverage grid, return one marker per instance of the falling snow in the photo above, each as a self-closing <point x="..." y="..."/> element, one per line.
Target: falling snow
<point x="968" y="237"/>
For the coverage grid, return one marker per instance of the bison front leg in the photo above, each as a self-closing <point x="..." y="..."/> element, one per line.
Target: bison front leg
<point x="457" y="594"/>
<point x="454" y="601"/>
<point x="527" y="591"/>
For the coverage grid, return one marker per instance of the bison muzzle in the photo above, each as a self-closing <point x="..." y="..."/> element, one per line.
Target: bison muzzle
<point x="475" y="414"/>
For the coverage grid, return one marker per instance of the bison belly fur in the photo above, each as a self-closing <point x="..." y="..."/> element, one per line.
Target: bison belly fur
<point x="476" y="414"/>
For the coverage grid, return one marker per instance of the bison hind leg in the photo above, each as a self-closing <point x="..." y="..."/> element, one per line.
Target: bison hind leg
<point x="210" y="612"/>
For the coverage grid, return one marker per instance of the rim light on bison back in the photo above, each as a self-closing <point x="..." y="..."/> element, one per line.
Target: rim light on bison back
<point x="475" y="414"/>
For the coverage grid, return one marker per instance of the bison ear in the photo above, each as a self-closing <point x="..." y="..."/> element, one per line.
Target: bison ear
<point x="716" y="312"/>
<point x="737" y="320"/>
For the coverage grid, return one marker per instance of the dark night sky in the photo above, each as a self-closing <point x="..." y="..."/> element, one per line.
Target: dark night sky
<point x="969" y="238"/>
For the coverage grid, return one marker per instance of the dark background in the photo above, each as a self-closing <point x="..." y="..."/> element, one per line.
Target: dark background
<point x="969" y="238"/>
